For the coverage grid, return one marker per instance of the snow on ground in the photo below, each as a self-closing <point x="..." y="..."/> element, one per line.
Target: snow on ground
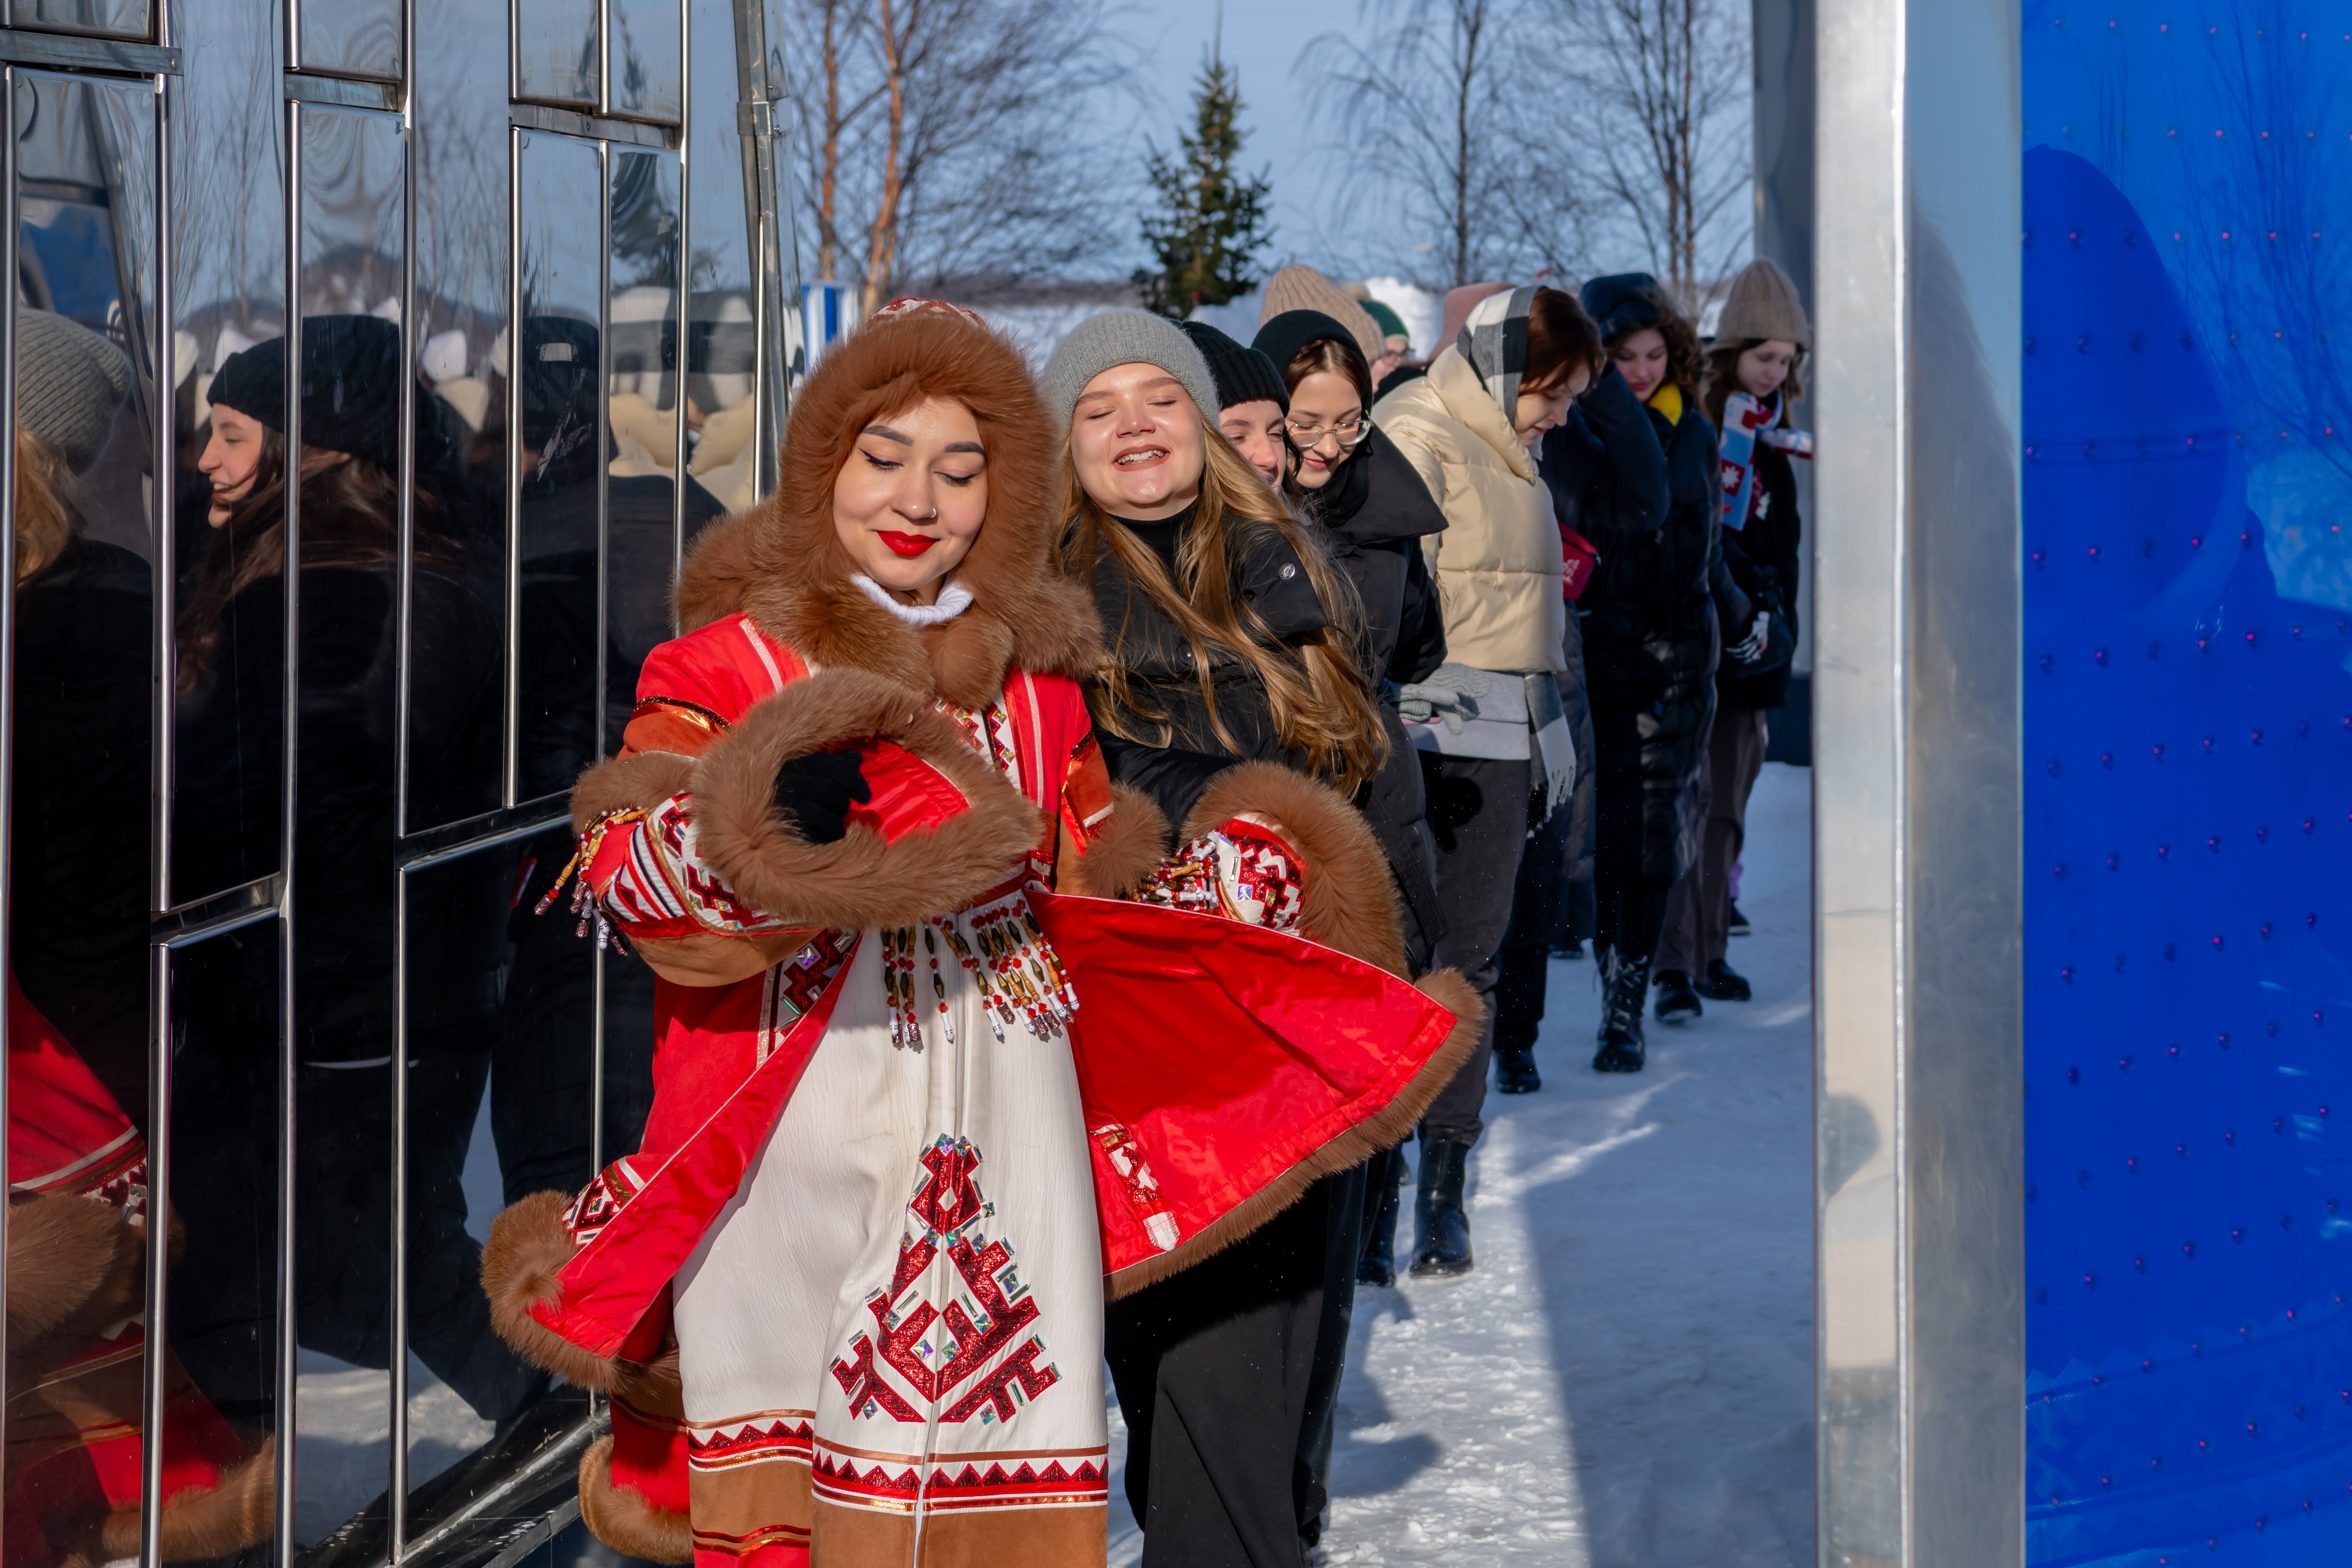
<point x="1626" y="1377"/>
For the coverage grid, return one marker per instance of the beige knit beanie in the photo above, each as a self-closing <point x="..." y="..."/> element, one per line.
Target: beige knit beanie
<point x="1763" y="305"/>
<point x="1299" y="286"/>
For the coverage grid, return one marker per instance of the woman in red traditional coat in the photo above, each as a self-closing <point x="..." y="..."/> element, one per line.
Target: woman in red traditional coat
<point x="920" y="1083"/>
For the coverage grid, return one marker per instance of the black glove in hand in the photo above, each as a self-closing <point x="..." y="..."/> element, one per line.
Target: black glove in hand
<point x="814" y="794"/>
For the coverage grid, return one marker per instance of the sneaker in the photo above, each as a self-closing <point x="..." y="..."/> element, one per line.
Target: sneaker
<point x="1723" y="983"/>
<point x="1739" y="926"/>
<point x="1677" y="1003"/>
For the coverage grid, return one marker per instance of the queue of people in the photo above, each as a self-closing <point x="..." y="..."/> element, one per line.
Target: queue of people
<point x="1092" y="820"/>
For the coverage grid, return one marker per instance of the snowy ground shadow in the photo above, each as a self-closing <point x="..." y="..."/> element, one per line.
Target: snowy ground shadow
<point x="1626" y="1377"/>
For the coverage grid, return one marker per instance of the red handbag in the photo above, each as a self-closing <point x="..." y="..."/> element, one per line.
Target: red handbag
<point x="1577" y="558"/>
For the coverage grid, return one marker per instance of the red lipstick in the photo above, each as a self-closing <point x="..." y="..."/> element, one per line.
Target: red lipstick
<point x="906" y="544"/>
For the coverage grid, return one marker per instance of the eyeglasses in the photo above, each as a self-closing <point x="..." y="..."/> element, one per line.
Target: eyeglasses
<point x="1351" y="432"/>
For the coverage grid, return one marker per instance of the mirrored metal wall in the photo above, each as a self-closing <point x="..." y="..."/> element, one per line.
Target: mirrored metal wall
<point x="370" y="364"/>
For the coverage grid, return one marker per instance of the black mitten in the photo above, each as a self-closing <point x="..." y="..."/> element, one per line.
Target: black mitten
<point x="814" y="794"/>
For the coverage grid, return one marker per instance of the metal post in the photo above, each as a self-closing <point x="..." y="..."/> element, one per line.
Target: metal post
<point x="756" y="120"/>
<point x="1918" y="893"/>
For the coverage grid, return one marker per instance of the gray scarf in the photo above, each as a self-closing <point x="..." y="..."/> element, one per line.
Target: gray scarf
<point x="1495" y="341"/>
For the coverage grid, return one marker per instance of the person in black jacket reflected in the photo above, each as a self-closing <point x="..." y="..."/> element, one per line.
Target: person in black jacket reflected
<point x="347" y="928"/>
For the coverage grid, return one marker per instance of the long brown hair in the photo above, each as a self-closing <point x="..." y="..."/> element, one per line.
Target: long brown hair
<point x="1723" y="378"/>
<point x="350" y="517"/>
<point x="46" y="512"/>
<point x="1321" y="710"/>
<point x="1683" y="366"/>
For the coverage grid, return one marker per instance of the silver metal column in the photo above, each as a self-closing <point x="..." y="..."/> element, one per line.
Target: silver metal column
<point x="1916" y="786"/>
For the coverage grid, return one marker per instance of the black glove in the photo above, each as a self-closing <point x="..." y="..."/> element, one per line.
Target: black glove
<point x="814" y="794"/>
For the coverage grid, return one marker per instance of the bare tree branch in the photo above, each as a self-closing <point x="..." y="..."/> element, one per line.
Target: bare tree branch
<point x="1660" y="87"/>
<point x="1438" y="106"/>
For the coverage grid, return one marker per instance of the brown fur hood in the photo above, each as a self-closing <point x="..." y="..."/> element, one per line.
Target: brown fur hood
<point x="781" y="562"/>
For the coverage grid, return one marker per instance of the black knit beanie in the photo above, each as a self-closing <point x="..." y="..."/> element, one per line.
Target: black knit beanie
<point x="351" y="387"/>
<point x="1622" y="303"/>
<point x="1283" y="336"/>
<point x="1241" y="373"/>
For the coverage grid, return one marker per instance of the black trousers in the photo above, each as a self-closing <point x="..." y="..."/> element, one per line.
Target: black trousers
<point x="1536" y="909"/>
<point x="1478" y="815"/>
<point x="1228" y="1376"/>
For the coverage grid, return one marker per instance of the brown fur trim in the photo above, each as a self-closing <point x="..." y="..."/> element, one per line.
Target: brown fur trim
<point x="624" y="1520"/>
<point x="1385" y="1129"/>
<point x="1130" y="846"/>
<point x="969" y="656"/>
<point x="717" y="572"/>
<point x="206" y="1523"/>
<point x="1351" y="902"/>
<point x="69" y="1256"/>
<point x="861" y="880"/>
<point x="527" y="1247"/>
<point x="782" y="563"/>
<point x="641" y="782"/>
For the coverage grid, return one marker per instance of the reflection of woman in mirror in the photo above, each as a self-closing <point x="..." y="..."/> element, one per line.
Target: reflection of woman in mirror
<point x="232" y="642"/>
<point x="912" y="1102"/>
<point x="78" y="1219"/>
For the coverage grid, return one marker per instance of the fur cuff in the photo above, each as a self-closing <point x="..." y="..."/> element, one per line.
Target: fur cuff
<point x="199" y="1525"/>
<point x="864" y="880"/>
<point x="1350" y="899"/>
<point x="624" y="1520"/>
<point x="69" y="1256"/>
<point x="529" y="1245"/>
<point x="1130" y="846"/>
<point x="617" y="784"/>
<point x="1384" y="1129"/>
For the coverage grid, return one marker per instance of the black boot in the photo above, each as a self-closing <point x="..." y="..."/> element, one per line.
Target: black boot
<point x="1676" y="1000"/>
<point x="1515" y="1071"/>
<point x="1378" y="1266"/>
<point x="1443" y="1244"/>
<point x="1621" y="1045"/>
<point x="1723" y="983"/>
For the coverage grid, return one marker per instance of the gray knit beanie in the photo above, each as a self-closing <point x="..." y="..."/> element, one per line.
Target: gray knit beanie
<point x="70" y="382"/>
<point x="1124" y="337"/>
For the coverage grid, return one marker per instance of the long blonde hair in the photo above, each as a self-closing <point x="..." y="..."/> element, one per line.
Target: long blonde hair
<point x="44" y="505"/>
<point x="1321" y="710"/>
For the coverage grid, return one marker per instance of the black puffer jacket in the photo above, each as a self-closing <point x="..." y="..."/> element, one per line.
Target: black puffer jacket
<point x="1607" y="474"/>
<point x="1373" y="515"/>
<point x="1763" y="559"/>
<point x="1651" y="642"/>
<point x="1162" y="674"/>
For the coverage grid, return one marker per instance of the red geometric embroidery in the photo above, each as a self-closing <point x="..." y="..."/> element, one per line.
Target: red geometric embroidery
<point x="948" y="1207"/>
<point x="1139" y="1184"/>
<point x="832" y="1475"/>
<point x="782" y="1436"/>
<point x="812" y="970"/>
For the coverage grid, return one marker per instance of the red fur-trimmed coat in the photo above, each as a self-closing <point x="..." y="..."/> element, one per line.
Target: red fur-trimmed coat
<point x="1222" y="1066"/>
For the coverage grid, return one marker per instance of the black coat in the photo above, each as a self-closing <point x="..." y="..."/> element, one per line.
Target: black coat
<point x="1763" y="559"/>
<point x="1163" y="679"/>
<point x="1606" y="475"/>
<point x="1651" y="642"/>
<point x="1377" y="544"/>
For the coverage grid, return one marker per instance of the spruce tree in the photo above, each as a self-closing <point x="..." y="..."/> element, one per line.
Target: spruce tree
<point x="1212" y="223"/>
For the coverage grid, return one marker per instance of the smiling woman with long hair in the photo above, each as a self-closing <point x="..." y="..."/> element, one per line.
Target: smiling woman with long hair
<point x="1229" y="695"/>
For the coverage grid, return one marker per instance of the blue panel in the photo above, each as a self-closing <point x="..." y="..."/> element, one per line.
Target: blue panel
<point x="2188" y="669"/>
